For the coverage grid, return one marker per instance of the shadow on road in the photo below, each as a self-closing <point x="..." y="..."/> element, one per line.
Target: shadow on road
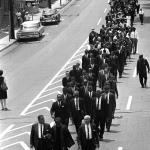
<point x="108" y="140"/>
<point x="115" y="125"/>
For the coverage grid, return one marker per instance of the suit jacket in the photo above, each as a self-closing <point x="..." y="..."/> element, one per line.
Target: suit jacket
<point x="34" y="137"/>
<point x="60" y="111"/>
<point x="89" y="103"/>
<point x="110" y="104"/>
<point x="65" y="137"/>
<point x="74" y="112"/>
<point x="103" y="107"/>
<point x="82" y="136"/>
<point x="65" y="81"/>
<point x="85" y="62"/>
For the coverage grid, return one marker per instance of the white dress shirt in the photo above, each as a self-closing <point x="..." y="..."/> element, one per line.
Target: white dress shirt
<point x="40" y="130"/>
<point x="88" y="131"/>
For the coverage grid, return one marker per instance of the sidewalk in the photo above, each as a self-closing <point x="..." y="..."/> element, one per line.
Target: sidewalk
<point x="5" y="42"/>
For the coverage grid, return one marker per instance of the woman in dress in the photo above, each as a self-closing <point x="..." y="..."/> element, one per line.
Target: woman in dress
<point x="3" y="91"/>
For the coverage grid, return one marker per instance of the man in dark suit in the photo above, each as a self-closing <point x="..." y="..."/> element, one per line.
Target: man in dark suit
<point x="109" y="98"/>
<point x="77" y="110"/>
<point x="62" y="139"/>
<point x="60" y="109"/>
<point x="66" y="79"/>
<point x="100" y="113"/>
<point x="88" y="100"/>
<point x="40" y="137"/>
<point x="85" y="60"/>
<point x="142" y="67"/>
<point x="87" y="135"/>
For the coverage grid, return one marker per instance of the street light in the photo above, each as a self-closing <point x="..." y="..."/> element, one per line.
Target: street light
<point x="11" y="20"/>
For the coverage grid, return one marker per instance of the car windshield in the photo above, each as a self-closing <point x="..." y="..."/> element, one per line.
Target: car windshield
<point x="30" y="27"/>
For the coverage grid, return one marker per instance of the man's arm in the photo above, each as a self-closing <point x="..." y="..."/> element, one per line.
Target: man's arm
<point x="32" y="137"/>
<point x="147" y="65"/>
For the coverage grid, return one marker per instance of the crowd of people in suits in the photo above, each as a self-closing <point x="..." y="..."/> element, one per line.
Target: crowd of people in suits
<point x="90" y="91"/>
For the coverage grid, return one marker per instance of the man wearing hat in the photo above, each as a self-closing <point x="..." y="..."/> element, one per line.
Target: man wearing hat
<point x="87" y="135"/>
<point x="60" y="109"/>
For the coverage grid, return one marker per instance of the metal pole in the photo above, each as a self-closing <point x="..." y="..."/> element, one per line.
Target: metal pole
<point x="11" y="16"/>
<point x="60" y="3"/>
<point x="49" y="4"/>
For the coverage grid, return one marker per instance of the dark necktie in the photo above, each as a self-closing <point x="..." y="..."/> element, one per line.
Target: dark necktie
<point x="98" y="103"/>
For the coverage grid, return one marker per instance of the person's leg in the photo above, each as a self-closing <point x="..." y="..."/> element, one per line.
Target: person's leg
<point x="142" y="18"/>
<point x="141" y="80"/>
<point x="145" y="81"/>
<point x="2" y="104"/>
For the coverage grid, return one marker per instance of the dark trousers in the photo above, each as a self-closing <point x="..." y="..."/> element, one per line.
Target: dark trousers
<point x="134" y="45"/>
<point x="77" y="122"/>
<point x="120" y="68"/>
<point x="88" y="145"/>
<point x="108" y="122"/>
<point x="100" y="120"/>
<point x="141" y="78"/>
<point x="141" y="18"/>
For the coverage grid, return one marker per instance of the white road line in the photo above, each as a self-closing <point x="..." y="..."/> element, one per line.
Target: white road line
<point x="23" y="144"/>
<point x="53" y="88"/>
<point x="55" y="92"/>
<point x="6" y="131"/>
<point x="61" y="75"/>
<point x="99" y="21"/>
<point x="54" y="82"/>
<point x="74" y="60"/>
<point x="43" y="102"/>
<point x="28" y="125"/>
<point x="23" y="113"/>
<point x="134" y="73"/>
<point x="120" y="148"/>
<point x="105" y="10"/>
<point x="79" y="55"/>
<point x="12" y="137"/>
<point x="129" y="103"/>
<point x="36" y="110"/>
<point x="68" y="68"/>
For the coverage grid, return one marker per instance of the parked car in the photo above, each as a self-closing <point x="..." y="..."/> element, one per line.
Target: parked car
<point x="30" y="29"/>
<point x="50" y="16"/>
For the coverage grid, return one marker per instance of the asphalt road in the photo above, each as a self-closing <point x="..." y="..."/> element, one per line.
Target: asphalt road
<point x="34" y="71"/>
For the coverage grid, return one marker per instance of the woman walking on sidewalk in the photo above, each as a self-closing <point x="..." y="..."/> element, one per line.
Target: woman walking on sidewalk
<point x="3" y="91"/>
<point x="141" y="16"/>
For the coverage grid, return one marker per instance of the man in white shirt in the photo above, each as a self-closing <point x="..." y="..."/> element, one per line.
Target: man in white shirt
<point x="134" y="39"/>
<point x="141" y="16"/>
<point x="87" y="135"/>
<point x="40" y="137"/>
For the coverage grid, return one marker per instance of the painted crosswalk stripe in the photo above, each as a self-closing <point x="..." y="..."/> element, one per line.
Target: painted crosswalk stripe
<point x="128" y="107"/>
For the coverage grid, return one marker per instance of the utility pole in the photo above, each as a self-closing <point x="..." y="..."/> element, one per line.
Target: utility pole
<point x="60" y="2"/>
<point x="49" y="4"/>
<point x="11" y="20"/>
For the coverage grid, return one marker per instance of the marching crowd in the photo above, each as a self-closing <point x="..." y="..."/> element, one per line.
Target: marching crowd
<point x="90" y="91"/>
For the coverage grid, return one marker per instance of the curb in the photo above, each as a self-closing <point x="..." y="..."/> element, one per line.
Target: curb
<point x="8" y="46"/>
<point x="62" y="9"/>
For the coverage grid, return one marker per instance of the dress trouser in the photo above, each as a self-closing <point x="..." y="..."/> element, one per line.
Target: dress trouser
<point x="141" y="78"/>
